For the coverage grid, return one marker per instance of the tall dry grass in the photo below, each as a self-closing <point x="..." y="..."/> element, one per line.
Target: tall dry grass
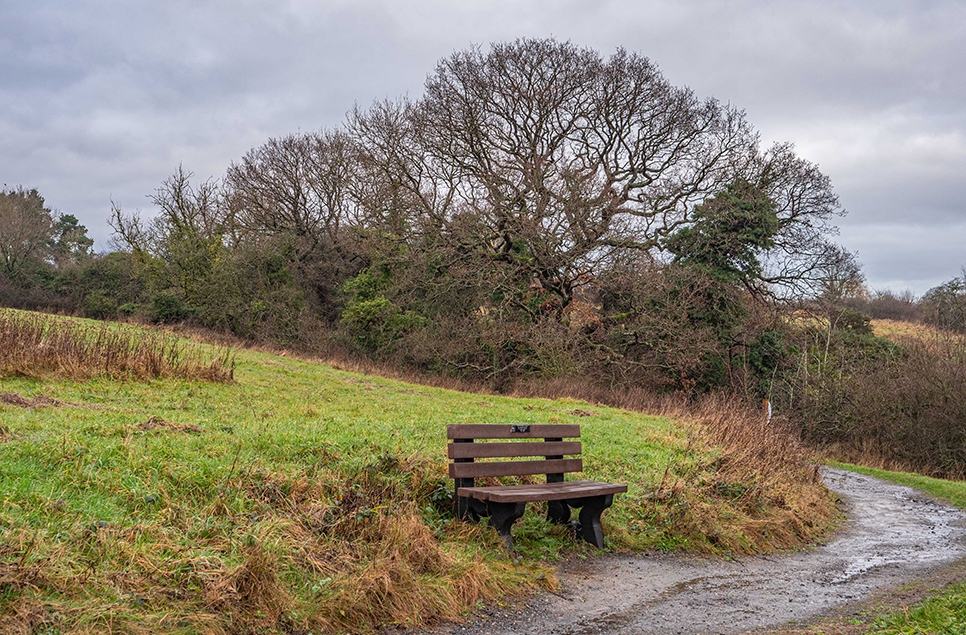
<point x="764" y="472"/>
<point x="37" y="345"/>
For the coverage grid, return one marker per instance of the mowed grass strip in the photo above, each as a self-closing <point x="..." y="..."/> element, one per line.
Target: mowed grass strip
<point x="301" y="498"/>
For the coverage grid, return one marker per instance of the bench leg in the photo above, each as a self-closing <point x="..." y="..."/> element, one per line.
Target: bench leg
<point x="502" y="517"/>
<point x="558" y="512"/>
<point x="470" y="509"/>
<point x="590" y="511"/>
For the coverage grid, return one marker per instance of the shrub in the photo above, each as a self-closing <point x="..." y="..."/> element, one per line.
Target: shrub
<point x="854" y="321"/>
<point x="99" y="305"/>
<point x="875" y="401"/>
<point x="127" y="309"/>
<point x="377" y="323"/>
<point x="945" y="306"/>
<point x="167" y="308"/>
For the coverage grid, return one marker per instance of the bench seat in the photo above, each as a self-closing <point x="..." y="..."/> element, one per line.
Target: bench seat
<point x="541" y="491"/>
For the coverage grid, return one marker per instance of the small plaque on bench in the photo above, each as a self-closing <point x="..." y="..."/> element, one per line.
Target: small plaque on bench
<point x="519" y="429"/>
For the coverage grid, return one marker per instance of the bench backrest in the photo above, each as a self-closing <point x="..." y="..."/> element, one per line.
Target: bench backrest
<point x="545" y="441"/>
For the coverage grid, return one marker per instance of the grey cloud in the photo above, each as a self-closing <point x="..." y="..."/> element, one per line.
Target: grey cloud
<point x="901" y="256"/>
<point x="106" y="98"/>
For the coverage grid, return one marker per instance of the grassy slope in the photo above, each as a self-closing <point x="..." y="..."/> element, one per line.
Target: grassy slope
<point x="306" y="499"/>
<point x="944" y="613"/>
<point x="159" y="526"/>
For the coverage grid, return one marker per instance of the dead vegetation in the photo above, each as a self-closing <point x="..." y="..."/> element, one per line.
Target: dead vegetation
<point x="158" y="423"/>
<point x="896" y="401"/>
<point x="37" y="345"/>
<point x="765" y="473"/>
<point x="40" y="401"/>
<point x="329" y="554"/>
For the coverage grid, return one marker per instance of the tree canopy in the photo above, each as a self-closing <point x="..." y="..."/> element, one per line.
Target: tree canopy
<point x="534" y="186"/>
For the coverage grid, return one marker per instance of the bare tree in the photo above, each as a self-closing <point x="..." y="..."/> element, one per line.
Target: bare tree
<point x="295" y="197"/>
<point x="804" y="258"/>
<point x="296" y="185"/>
<point x="569" y="158"/>
<point x="563" y="159"/>
<point x="945" y="305"/>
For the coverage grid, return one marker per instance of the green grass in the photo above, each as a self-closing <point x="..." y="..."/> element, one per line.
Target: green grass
<point x="301" y="498"/>
<point x="101" y="514"/>
<point x="945" y="613"/>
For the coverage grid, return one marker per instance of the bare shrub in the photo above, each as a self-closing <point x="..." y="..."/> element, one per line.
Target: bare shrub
<point x="33" y="345"/>
<point x="945" y="306"/>
<point x="888" y="305"/>
<point x="913" y="410"/>
<point x="898" y="403"/>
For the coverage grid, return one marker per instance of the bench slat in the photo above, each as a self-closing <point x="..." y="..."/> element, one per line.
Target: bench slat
<point x="514" y="468"/>
<point x="504" y="431"/>
<point x="542" y="491"/>
<point x="492" y="450"/>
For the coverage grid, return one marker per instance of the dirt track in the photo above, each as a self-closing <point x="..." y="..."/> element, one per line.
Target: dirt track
<point x="894" y="535"/>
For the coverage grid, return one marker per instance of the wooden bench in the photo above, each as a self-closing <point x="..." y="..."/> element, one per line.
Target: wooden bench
<point x="504" y="504"/>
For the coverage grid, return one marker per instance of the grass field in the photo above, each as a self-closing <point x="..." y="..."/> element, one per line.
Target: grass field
<point x="299" y="498"/>
<point x="896" y="330"/>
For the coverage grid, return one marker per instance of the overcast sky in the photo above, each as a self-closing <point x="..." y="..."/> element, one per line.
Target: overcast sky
<point x="104" y="99"/>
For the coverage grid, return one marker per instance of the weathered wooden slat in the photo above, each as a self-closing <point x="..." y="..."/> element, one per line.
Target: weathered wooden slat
<point x="493" y="450"/>
<point x="506" y="431"/>
<point x="513" y="468"/>
<point x="542" y="491"/>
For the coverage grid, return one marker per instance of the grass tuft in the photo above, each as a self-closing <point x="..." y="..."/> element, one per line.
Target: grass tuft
<point x="35" y="345"/>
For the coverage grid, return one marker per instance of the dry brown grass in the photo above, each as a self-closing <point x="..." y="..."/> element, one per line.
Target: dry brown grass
<point x="375" y="563"/>
<point x="897" y="330"/>
<point x="36" y="345"/>
<point x="158" y="423"/>
<point x="767" y="476"/>
<point x="766" y="473"/>
<point x="40" y="401"/>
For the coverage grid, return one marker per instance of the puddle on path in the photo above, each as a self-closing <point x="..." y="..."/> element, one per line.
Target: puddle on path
<point x="894" y="535"/>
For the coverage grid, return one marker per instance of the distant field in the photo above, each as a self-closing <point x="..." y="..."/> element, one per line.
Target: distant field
<point x="301" y="498"/>
<point x="895" y="329"/>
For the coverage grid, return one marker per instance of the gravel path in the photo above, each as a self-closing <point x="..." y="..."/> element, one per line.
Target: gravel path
<point x="894" y="535"/>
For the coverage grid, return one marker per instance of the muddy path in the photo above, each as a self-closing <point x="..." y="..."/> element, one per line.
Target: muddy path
<point x="894" y="535"/>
